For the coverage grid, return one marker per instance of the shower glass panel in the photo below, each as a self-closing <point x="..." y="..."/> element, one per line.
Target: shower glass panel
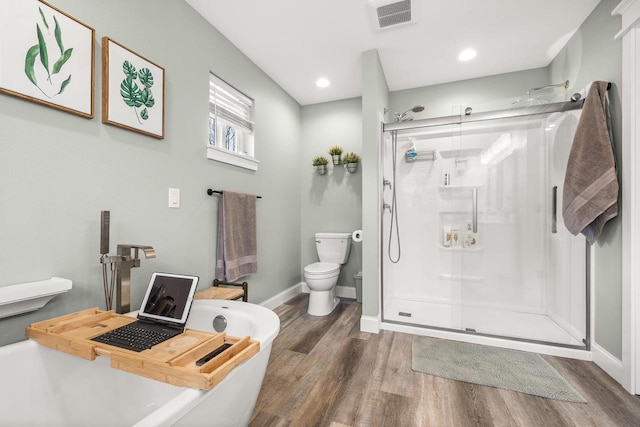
<point x="483" y="246"/>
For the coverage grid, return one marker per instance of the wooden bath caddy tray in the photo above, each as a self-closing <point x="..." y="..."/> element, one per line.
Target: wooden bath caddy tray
<point x="173" y="361"/>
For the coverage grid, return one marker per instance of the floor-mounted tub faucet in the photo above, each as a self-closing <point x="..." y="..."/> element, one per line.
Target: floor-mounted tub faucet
<point x="120" y="265"/>
<point x="126" y="262"/>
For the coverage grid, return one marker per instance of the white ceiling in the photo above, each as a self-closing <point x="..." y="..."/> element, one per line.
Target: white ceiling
<point x="297" y="41"/>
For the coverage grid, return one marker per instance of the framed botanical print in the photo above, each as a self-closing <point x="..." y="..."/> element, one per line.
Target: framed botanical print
<point x="46" y="56"/>
<point x="132" y="90"/>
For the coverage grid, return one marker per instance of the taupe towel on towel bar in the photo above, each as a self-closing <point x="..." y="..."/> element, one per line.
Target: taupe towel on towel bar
<point x="590" y="183"/>
<point x="237" y="254"/>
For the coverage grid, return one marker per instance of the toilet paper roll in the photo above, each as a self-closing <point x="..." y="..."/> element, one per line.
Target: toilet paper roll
<point x="357" y="236"/>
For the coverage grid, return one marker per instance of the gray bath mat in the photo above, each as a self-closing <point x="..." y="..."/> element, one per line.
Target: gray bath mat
<point x="514" y="370"/>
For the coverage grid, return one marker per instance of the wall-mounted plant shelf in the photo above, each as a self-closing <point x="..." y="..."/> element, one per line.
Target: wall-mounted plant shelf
<point x="26" y="297"/>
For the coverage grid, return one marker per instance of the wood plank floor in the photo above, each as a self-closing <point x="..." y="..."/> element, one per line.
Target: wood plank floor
<point x="324" y="372"/>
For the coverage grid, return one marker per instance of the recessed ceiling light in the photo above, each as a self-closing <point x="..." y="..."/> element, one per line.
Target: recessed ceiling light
<point x="322" y="82"/>
<point x="467" y="54"/>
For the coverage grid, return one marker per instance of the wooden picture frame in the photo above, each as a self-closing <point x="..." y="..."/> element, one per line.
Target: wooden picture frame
<point x="132" y="90"/>
<point x="47" y="57"/>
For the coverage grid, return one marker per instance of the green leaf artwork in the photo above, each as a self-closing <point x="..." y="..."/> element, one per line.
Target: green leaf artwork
<point x="146" y="78"/>
<point x="130" y="93"/>
<point x="136" y="96"/>
<point x="147" y="98"/>
<point x="64" y="85"/>
<point x="32" y="67"/>
<point x="44" y="56"/>
<point x="58" y="34"/>
<point x="44" y="20"/>
<point x="30" y="62"/>
<point x="61" y="61"/>
<point x="129" y="70"/>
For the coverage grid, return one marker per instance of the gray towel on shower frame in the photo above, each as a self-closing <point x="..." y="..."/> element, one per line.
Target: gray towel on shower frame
<point x="237" y="243"/>
<point x="591" y="184"/>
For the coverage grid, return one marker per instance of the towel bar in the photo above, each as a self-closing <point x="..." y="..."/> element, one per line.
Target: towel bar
<point x="211" y="192"/>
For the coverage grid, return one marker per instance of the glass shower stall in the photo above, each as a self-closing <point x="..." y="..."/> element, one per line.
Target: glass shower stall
<point x="472" y="229"/>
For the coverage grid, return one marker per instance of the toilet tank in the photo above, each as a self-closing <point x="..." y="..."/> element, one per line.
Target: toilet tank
<point x="333" y="247"/>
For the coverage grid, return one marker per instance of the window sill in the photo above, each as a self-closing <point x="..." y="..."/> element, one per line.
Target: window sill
<point x="239" y="160"/>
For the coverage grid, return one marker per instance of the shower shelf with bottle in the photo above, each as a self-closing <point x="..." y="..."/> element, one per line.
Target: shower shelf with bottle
<point x="465" y="250"/>
<point x="459" y="224"/>
<point x="413" y="156"/>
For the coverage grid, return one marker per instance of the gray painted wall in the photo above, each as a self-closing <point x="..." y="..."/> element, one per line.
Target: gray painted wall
<point x="375" y="93"/>
<point x="331" y="202"/>
<point x="58" y="170"/>
<point x="593" y="54"/>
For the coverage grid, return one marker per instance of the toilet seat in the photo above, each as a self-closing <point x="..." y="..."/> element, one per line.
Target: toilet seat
<point x="319" y="270"/>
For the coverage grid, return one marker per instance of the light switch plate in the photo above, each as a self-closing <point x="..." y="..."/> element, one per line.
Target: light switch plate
<point x="174" y="197"/>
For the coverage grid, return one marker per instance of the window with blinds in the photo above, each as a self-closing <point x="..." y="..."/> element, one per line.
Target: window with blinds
<point x="230" y="125"/>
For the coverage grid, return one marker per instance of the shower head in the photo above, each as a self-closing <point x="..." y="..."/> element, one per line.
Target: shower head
<point x="403" y="117"/>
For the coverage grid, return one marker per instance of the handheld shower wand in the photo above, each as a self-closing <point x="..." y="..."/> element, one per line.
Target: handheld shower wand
<point x="105" y="222"/>
<point x="394" y="227"/>
<point x="401" y="117"/>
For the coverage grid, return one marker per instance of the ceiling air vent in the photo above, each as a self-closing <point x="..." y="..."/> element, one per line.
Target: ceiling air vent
<point x="389" y="13"/>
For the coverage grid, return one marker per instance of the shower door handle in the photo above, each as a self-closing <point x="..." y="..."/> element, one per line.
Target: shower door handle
<point x="474" y="201"/>
<point x="554" y="209"/>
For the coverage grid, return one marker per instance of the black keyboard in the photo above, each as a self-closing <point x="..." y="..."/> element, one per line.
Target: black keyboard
<point x="132" y="338"/>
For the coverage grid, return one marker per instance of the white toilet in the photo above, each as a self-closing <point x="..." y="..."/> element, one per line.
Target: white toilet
<point x="321" y="277"/>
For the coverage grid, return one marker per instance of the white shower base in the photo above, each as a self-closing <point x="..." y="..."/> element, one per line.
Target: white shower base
<point x="427" y="316"/>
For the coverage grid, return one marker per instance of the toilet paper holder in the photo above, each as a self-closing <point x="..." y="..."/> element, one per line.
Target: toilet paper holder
<point x="356" y="236"/>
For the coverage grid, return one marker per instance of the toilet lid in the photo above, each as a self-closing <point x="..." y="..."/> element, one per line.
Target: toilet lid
<point x="322" y="268"/>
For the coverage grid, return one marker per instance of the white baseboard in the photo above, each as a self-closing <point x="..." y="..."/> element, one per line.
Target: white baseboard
<point x="610" y="364"/>
<point x="346" y="292"/>
<point x="370" y="324"/>
<point x="282" y="297"/>
<point x="341" y="291"/>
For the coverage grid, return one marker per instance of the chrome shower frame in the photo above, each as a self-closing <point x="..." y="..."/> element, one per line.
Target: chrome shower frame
<point x="469" y="116"/>
<point x="576" y="103"/>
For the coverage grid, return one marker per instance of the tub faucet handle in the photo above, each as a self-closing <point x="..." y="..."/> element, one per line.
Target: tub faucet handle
<point x="125" y="250"/>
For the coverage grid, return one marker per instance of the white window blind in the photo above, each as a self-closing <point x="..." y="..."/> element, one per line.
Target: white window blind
<point x="230" y="125"/>
<point x="230" y="104"/>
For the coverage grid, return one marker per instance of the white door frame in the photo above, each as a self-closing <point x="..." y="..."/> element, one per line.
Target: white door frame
<point x="629" y="10"/>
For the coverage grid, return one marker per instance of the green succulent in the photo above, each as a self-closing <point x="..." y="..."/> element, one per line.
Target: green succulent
<point x="351" y="158"/>
<point x="320" y="161"/>
<point x="336" y="150"/>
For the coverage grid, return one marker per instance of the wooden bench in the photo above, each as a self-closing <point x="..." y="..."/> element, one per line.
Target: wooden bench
<point x="228" y="290"/>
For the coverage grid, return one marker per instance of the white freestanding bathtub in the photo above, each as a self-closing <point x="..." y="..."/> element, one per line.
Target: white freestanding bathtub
<point x="45" y="387"/>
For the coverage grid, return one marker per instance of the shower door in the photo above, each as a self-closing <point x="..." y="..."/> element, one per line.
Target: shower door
<point x="481" y="244"/>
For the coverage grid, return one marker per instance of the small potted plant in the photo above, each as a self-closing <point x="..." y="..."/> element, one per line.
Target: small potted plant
<point x="335" y="152"/>
<point x="320" y="163"/>
<point x="351" y="160"/>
